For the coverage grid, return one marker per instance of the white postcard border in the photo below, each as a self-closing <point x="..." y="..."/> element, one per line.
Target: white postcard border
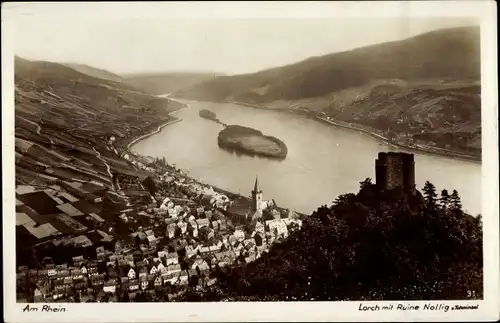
<point x="13" y="13"/>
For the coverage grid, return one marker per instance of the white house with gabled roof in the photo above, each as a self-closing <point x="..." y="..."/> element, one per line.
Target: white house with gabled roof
<point x="131" y="273"/>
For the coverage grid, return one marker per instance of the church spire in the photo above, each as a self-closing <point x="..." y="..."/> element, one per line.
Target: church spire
<point x="256" y="197"/>
<point x="256" y="187"/>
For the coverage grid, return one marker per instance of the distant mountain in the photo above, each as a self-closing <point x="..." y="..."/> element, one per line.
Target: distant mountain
<point x="448" y="53"/>
<point x="444" y="54"/>
<point x="95" y="72"/>
<point x="423" y="90"/>
<point x="152" y="83"/>
<point x="163" y="83"/>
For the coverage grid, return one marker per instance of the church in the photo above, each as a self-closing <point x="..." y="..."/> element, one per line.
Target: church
<point x="244" y="210"/>
<point x="258" y="203"/>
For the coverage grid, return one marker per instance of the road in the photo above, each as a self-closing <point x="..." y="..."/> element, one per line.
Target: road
<point x="108" y="169"/>
<point x="38" y="128"/>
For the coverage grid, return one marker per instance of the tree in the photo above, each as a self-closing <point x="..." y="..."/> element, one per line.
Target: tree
<point x="366" y="183"/>
<point x="455" y="202"/>
<point x="267" y="215"/>
<point x="479" y="220"/>
<point x="203" y="234"/>
<point x="445" y="199"/>
<point x="430" y="195"/>
<point x="124" y="297"/>
<point x="344" y="199"/>
<point x="178" y="232"/>
<point x="143" y="297"/>
<point x="294" y="227"/>
<point x="159" y="295"/>
<point x="150" y="185"/>
<point x="372" y="250"/>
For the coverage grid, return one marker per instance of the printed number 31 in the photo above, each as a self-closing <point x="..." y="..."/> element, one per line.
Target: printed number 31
<point x="471" y="293"/>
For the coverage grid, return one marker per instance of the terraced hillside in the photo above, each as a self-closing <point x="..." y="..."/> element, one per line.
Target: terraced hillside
<point x="440" y="115"/>
<point x="70" y="130"/>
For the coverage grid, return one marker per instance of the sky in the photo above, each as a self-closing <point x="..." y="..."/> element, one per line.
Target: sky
<point x="221" y="44"/>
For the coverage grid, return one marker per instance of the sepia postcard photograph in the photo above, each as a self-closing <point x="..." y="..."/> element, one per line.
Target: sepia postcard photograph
<point x="250" y="161"/>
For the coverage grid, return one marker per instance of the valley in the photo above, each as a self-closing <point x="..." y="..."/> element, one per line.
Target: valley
<point x="406" y="91"/>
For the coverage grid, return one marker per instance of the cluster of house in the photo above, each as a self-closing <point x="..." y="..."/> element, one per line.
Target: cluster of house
<point x="175" y="237"/>
<point x="187" y="260"/>
<point x="115" y="274"/>
<point x="208" y="195"/>
<point x="137" y="162"/>
<point x="131" y="272"/>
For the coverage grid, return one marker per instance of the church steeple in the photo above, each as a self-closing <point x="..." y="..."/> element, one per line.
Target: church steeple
<point x="256" y="197"/>
<point x="256" y="187"/>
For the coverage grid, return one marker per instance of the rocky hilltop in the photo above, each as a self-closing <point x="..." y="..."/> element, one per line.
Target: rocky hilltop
<point x="251" y="142"/>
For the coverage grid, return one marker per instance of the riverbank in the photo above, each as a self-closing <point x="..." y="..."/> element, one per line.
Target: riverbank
<point x="231" y="195"/>
<point x="419" y="149"/>
<point x="185" y="174"/>
<point x="426" y="150"/>
<point x="149" y="134"/>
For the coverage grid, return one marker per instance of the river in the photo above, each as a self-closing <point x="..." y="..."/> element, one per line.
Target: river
<point x="322" y="161"/>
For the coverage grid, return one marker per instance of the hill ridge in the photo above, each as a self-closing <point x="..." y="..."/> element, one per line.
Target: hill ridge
<point x="298" y="75"/>
<point x="94" y="71"/>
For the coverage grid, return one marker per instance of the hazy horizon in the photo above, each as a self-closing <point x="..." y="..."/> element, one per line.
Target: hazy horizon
<point x="222" y="46"/>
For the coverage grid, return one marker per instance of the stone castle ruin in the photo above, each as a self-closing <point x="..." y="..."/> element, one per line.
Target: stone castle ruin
<point x="394" y="170"/>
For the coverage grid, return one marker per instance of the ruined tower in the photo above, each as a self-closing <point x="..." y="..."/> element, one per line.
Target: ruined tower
<point x="256" y="197"/>
<point x="395" y="170"/>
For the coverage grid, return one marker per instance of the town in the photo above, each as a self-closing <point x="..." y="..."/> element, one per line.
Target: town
<point x="159" y="235"/>
<point x="96" y="222"/>
<point x="262" y="163"/>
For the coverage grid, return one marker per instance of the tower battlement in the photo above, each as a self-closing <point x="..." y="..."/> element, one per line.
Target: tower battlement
<point x="395" y="170"/>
